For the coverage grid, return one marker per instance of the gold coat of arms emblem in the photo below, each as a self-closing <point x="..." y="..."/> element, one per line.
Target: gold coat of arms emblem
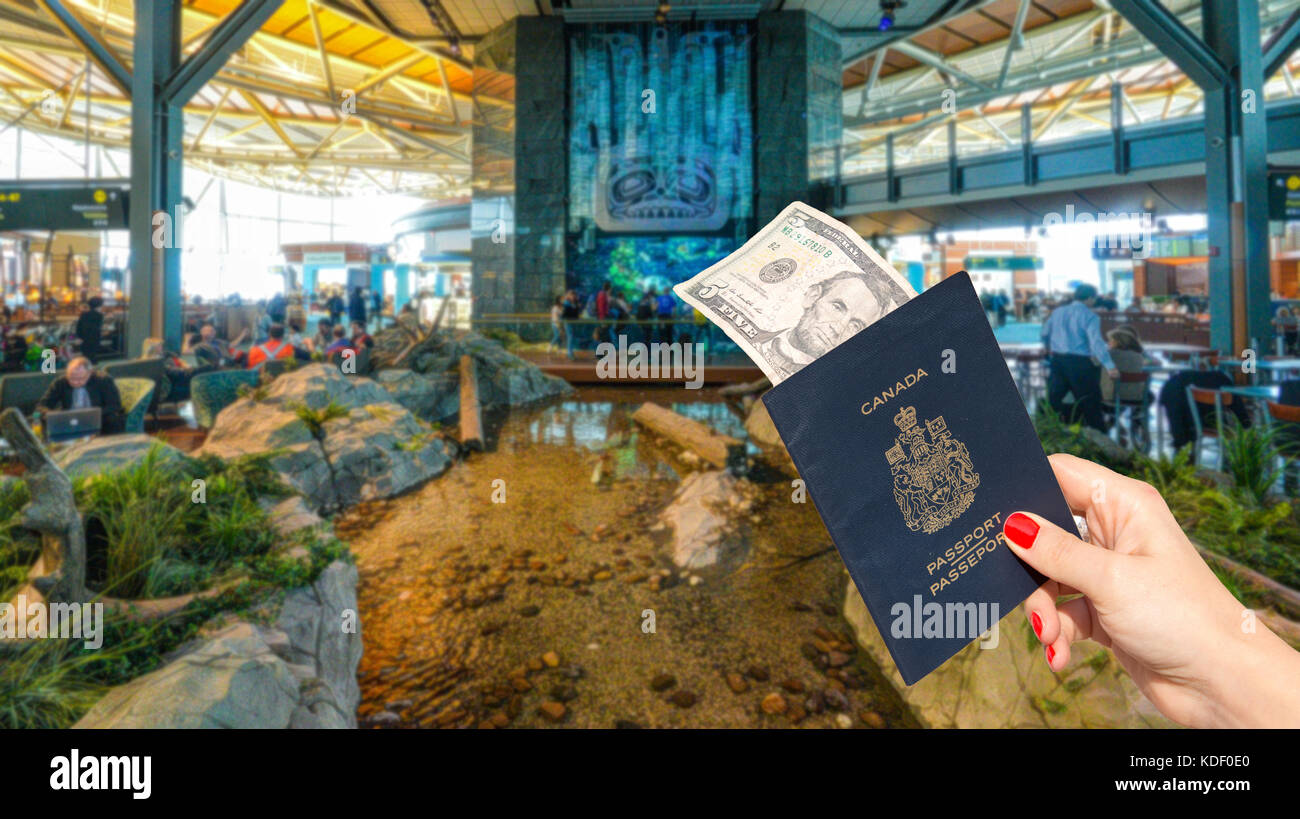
<point x="934" y="479"/>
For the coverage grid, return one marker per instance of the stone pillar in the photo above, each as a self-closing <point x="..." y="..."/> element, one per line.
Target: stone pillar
<point x="520" y="170"/>
<point x="797" y="109"/>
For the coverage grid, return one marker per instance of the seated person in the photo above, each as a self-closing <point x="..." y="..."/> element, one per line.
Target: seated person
<point x="301" y="343"/>
<point x="324" y="334"/>
<point x="81" y="387"/>
<point x="178" y="372"/>
<point x="360" y="338"/>
<point x="213" y="353"/>
<point x="1129" y="357"/>
<point x="275" y="348"/>
<point x="340" y="343"/>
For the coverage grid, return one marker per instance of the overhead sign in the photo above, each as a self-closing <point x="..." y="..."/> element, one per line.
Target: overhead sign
<point x="325" y="258"/>
<point x="1004" y="263"/>
<point x="1284" y="194"/>
<point x="78" y="205"/>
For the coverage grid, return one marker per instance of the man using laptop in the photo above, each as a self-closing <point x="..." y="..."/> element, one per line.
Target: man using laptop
<point x="81" y="387"/>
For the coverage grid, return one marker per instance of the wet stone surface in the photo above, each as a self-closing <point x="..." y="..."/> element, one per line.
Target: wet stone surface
<point x="534" y="612"/>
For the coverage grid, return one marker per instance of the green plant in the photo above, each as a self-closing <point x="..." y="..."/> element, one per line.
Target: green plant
<point x="315" y="419"/>
<point x="1250" y="457"/>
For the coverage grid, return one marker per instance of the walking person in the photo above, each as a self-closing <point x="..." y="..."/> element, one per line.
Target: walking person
<point x="570" y="311"/>
<point x="1075" y="348"/>
<point x="665" y="305"/>
<point x="557" y="325"/>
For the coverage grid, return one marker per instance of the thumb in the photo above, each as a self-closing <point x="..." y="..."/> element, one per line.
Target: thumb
<point x="1058" y="554"/>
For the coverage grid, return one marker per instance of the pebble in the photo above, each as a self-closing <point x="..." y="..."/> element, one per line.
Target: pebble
<point x="843" y="721"/>
<point x="564" y="693"/>
<point x="662" y="682"/>
<point x="551" y="659"/>
<point x="530" y="611"/>
<point x="696" y="580"/>
<point x="872" y="719"/>
<point x="758" y="673"/>
<point x="796" y="713"/>
<point x="684" y="699"/>
<point x="774" y="704"/>
<point x="835" y="699"/>
<point x="554" y="711"/>
<point x="793" y="686"/>
<point x="520" y="684"/>
<point x="737" y="683"/>
<point x="838" y="658"/>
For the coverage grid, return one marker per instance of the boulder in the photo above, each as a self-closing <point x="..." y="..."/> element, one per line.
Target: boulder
<point x="700" y="516"/>
<point x="108" y="453"/>
<point x="430" y="388"/>
<point x="299" y="673"/>
<point x="232" y="680"/>
<point x="378" y="449"/>
<point x="429" y="396"/>
<point x="1008" y="684"/>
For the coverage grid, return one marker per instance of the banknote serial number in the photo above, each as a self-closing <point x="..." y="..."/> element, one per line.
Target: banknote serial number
<point x="809" y="242"/>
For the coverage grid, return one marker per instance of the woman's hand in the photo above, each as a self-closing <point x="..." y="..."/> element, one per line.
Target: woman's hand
<point x="1197" y="653"/>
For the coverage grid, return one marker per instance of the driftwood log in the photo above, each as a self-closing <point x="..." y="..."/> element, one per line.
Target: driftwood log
<point x="688" y="434"/>
<point x="471" y="415"/>
<point x="52" y="511"/>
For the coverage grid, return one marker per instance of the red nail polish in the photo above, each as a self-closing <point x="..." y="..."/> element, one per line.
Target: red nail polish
<point x="1038" y="624"/>
<point x="1021" y="530"/>
<point x="1051" y="655"/>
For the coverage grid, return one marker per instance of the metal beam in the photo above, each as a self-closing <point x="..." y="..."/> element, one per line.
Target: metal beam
<point x="933" y="60"/>
<point x="1013" y="41"/>
<point x="1281" y="44"/>
<point x="94" y="46"/>
<point x="1175" y="41"/>
<point x="229" y="35"/>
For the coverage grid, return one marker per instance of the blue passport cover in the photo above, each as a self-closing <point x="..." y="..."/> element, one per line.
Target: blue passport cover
<point x="914" y="445"/>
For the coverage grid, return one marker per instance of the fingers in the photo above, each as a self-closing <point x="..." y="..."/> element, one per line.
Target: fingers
<point x="1058" y="627"/>
<point x="1040" y="608"/>
<point x="1059" y="555"/>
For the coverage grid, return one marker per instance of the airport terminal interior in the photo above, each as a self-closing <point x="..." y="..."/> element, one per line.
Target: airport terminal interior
<point x="316" y="316"/>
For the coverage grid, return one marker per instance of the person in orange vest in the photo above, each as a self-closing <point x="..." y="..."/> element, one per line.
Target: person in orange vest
<point x="274" y="347"/>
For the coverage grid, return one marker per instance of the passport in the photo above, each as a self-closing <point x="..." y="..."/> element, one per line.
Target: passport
<point x="914" y="445"/>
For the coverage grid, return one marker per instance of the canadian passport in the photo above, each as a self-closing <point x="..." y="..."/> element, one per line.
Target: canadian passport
<point x="914" y="445"/>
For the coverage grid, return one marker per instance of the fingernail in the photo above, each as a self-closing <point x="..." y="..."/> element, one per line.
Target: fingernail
<point x="1021" y="530"/>
<point x="1038" y="625"/>
<point x="1051" y="655"/>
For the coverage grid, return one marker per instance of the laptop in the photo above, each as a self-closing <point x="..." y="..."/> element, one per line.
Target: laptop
<point x="65" y="425"/>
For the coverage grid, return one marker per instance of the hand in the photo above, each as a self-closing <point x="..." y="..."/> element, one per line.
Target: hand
<point x="1150" y="598"/>
<point x="1113" y="373"/>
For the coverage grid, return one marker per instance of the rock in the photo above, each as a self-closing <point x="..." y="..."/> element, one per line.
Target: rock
<point x="290" y="514"/>
<point x="793" y="686"/>
<point x="233" y="680"/>
<point x="698" y="517"/>
<point x="837" y="659"/>
<point x="758" y="673"/>
<point x="843" y="721"/>
<point x="835" y="699"/>
<point x="564" y="693"/>
<point x="763" y="433"/>
<point x="376" y="451"/>
<point x="737" y="683"/>
<point x="1009" y="686"/>
<point x="299" y="673"/>
<point x="109" y="453"/>
<point x="551" y="659"/>
<point x="662" y="682"/>
<point x="683" y="699"/>
<point x="774" y="704"/>
<point x="504" y="379"/>
<point x="554" y="711"/>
